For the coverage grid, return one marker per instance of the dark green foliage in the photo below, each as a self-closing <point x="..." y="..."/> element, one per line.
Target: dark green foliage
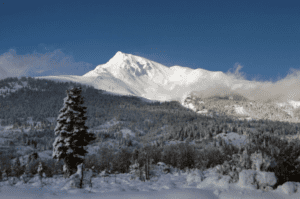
<point x="122" y="160"/>
<point x="101" y="108"/>
<point x="32" y="157"/>
<point x="53" y="167"/>
<point x="32" y="167"/>
<point x="104" y="157"/>
<point x="5" y="162"/>
<point x="288" y="164"/>
<point x="185" y="156"/>
<point x="17" y="168"/>
<point x="71" y="132"/>
<point x="209" y="157"/>
<point x="135" y="155"/>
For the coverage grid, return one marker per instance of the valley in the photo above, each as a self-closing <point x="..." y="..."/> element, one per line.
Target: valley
<point x="192" y="133"/>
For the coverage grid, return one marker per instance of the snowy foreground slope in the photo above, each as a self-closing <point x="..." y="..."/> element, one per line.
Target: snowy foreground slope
<point x="197" y="184"/>
<point x="179" y="185"/>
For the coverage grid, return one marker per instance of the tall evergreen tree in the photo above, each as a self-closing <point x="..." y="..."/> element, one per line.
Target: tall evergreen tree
<point x="72" y="136"/>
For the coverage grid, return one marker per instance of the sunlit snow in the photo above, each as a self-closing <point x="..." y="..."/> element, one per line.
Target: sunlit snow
<point x="178" y="184"/>
<point x="240" y="110"/>
<point x="128" y="74"/>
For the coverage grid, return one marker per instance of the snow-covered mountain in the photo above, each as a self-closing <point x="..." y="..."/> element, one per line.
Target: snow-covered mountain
<point x="134" y="75"/>
<point x="127" y="74"/>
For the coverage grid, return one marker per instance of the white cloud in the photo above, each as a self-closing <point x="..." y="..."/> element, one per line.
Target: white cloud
<point x="52" y="63"/>
<point x="236" y="74"/>
<point x="283" y="89"/>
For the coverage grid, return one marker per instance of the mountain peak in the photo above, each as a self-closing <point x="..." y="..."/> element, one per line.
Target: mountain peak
<point x="119" y="53"/>
<point x="119" y="56"/>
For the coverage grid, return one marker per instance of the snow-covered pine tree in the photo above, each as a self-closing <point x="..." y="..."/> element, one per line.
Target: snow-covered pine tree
<point x="72" y="136"/>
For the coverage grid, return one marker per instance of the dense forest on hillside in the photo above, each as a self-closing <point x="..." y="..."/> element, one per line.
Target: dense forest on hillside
<point x="152" y="123"/>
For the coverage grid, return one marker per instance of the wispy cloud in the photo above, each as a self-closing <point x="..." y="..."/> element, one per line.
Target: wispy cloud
<point x="236" y="74"/>
<point x="49" y="63"/>
<point x="284" y="89"/>
<point x="235" y="82"/>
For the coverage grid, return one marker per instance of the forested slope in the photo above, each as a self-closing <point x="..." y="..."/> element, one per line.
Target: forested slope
<point x="147" y="124"/>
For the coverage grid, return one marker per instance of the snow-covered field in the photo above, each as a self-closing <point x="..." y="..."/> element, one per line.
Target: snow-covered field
<point x="179" y="185"/>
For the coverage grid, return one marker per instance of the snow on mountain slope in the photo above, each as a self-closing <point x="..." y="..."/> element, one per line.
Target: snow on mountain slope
<point x="240" y="110"/>
<point x="290" y="103"/>
<point x="140" y="75"/>
<point x="289" y="106"/>
<point x="128" y="74"/>
<point x="295" y="104"/>
<point x="129" y="68"/>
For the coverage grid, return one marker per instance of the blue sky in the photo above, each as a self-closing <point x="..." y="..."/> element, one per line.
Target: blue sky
<point x="40" y="38"/>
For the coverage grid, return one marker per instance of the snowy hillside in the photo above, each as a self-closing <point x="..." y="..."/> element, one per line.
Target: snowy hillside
<point x="247" y="109"/>
<point x="207" y="183"/>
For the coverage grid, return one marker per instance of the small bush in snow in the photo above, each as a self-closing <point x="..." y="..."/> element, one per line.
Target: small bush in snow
<point x="32" y="167"/>
<point x="12" y="180"/>
<point x="244" y="161"/>
<point x="33" y="156"/>
<point x="288" y="188"/>
<point x="257" y="179"/>
<point x="81" y="179"/>
<point x="17" y="169"/>
<point x="139" y="172"/>
<point x="247" y="179"/>
<point x="52" y="167"/>
<point x="116" y="172"/>
<point x="195" y="177"/>
<point x="4" y="175"/>
<point x="261" y="162"/>
<point x="265" y="179"/>
<point x="135" y="171"/>
<point x="104" y="174"/>
<point x="95" y="172"/>
<point x="230" y="170"/>
<point x="166" y="170"/>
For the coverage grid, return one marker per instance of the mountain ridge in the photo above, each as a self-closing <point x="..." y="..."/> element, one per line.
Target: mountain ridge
<point x="128" y="74"/>
<point x="153" y="80"/>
